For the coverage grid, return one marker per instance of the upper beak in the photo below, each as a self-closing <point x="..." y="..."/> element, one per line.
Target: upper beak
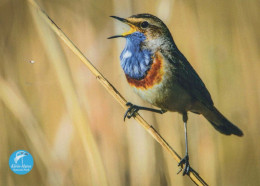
<point x="133" y="28"/>
<point x="120" y="19"/>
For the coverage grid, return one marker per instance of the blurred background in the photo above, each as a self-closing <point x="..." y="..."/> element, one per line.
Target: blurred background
<point x="54" y="108"/>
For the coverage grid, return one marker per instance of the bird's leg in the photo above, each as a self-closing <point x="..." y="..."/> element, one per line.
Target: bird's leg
<point x="131" y="111"/>
<point x="185" y="160"/>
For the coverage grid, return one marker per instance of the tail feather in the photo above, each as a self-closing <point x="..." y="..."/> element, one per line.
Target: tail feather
<point x="220" y="123"/>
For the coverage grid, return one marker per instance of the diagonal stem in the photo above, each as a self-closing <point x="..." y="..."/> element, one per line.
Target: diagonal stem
<point x="194" y="176"/>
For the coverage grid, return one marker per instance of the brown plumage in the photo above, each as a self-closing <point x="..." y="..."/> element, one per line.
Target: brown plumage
<point x="180" y="89"/>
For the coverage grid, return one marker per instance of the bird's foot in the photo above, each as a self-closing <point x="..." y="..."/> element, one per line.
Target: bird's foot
<point x="131" y="111"/>
<point x="187" y="168"/>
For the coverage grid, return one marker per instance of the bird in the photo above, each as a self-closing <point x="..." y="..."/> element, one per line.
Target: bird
<point x="161" y="75"/>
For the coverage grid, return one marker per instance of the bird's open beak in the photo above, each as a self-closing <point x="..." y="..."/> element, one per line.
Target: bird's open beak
<point x="132" y="30"/>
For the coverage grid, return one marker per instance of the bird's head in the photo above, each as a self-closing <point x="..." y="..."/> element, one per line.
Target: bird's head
<point x="147" y="26"/>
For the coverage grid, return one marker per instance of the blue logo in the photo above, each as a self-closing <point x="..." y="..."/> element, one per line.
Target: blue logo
<point x="21" y="162"/>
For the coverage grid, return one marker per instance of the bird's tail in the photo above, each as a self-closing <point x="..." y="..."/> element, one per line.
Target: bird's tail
<point x="220" y="123"/>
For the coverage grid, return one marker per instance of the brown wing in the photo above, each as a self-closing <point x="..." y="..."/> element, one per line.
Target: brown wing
<point x="188" y="78"/>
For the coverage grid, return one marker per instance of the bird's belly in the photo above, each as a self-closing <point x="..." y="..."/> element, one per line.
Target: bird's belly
<point x="170" y="97"/>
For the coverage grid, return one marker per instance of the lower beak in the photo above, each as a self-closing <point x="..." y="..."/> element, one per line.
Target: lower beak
<point x="116" y="36"/>
<point x="133" y="29"/>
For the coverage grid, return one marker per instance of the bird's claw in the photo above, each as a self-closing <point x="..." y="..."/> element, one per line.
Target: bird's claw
<point x="131" y="111"/>
<point x="163" y="111"/>
<point x="187" y="168"/>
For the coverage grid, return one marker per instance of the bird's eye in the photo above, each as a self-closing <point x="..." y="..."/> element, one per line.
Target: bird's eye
<point x="144" y="24"/>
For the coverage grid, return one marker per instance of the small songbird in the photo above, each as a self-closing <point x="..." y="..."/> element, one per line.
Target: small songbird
<point x="159" y="73"/>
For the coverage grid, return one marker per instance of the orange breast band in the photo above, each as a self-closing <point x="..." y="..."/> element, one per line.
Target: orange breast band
<point x="153" y="77"/>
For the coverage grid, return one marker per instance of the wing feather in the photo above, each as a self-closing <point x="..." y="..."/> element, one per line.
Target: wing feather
<point x="188" y="78"/>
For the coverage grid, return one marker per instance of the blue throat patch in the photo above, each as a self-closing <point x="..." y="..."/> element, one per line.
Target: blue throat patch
<point x="135" y="61"/>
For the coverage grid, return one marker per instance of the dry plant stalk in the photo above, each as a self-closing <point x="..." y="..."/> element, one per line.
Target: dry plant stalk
<point x="194" y="176"/>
